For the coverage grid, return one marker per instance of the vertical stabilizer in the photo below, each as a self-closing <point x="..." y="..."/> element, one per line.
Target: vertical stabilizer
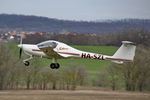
<point x="125" y="53"/>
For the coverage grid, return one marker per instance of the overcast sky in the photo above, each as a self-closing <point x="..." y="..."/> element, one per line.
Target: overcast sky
<point x="79" y="9"/>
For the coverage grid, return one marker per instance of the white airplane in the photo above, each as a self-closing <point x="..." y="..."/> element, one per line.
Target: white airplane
<point x="57" y="50"/>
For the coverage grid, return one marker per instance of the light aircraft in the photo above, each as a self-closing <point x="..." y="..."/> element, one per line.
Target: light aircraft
<point x="57" y="50"/>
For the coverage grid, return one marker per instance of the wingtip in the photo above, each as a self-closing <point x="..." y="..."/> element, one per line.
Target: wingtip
<point x="128" y="42"/>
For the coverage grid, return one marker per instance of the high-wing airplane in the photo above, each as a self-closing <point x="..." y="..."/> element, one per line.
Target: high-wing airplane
<point x="57" y="50"/>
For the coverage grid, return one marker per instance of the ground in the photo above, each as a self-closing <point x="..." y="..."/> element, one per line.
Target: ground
<point x="71" y="95"/>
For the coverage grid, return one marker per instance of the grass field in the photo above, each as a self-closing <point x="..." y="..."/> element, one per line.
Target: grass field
<point x="71" y="95"/>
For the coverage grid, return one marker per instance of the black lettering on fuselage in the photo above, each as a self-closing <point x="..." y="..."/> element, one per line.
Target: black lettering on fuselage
<point x="88" y="56"/>
<point x="83" y="55"/>
<point x="95" y="56"/>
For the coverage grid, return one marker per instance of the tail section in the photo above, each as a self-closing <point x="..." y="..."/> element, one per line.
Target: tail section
<point x="125" y="53"/>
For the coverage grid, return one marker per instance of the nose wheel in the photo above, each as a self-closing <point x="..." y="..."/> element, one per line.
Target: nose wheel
<point x="26" y="63"/>
<point x="54" y="65"/>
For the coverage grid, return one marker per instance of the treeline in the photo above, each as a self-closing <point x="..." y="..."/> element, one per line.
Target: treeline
<point x="139" y="36"/>
<point x="44" y="24"/>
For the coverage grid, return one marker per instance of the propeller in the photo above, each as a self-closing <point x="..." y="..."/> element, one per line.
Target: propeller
<point x="20" y="46"/>
<point x="20" y="53"/>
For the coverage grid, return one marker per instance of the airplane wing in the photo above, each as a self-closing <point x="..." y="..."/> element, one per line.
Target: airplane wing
<point x="48" y="49"/>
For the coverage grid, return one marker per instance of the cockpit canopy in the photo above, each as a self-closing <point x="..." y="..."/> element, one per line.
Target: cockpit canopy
<point x="49" y="43"/>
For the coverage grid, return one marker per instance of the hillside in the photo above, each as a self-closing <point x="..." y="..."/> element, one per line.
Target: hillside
<point x="44" y="24"/>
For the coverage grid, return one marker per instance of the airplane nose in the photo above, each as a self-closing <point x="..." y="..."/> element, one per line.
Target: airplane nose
<point x="20" y="45"/>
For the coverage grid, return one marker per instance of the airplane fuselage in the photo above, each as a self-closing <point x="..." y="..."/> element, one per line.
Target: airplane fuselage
<point x="33" y="50"/>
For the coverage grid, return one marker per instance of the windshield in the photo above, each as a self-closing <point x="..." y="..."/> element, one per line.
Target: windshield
<point x="52" y="44"/>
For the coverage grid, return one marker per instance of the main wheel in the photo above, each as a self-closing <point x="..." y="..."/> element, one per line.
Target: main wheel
<point x="52" y="65"/>
<point x="26" y="63"/>
<point x="57" y="65"/>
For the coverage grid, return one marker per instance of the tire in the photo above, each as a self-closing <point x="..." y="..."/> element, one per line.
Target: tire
<point x="52" y="65"/>
<point x="26" y="63"/>
<point x="57" y="65"/>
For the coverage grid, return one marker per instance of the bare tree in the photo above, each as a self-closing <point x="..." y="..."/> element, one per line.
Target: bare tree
<point x="113" y="75"/>
<point x="136" y="73"/>
<point x="73" y="75"/>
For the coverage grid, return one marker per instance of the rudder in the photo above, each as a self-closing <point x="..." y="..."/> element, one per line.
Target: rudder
<point x="125" y="53"/>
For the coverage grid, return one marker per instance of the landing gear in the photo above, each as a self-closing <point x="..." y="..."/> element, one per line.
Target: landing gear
<point x="54" y="65"/>
<point x="26" y="61"/>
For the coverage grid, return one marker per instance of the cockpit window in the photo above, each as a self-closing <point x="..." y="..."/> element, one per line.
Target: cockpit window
<point x="47" y="44"/>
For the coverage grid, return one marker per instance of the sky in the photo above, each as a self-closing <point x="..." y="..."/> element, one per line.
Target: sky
<point x="86" y="10"/>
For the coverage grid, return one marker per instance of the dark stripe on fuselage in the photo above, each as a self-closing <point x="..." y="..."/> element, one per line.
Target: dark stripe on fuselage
<point x="75" y="54"/>
<point x="118" y="59"/>
<point x="36" y="50"/>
